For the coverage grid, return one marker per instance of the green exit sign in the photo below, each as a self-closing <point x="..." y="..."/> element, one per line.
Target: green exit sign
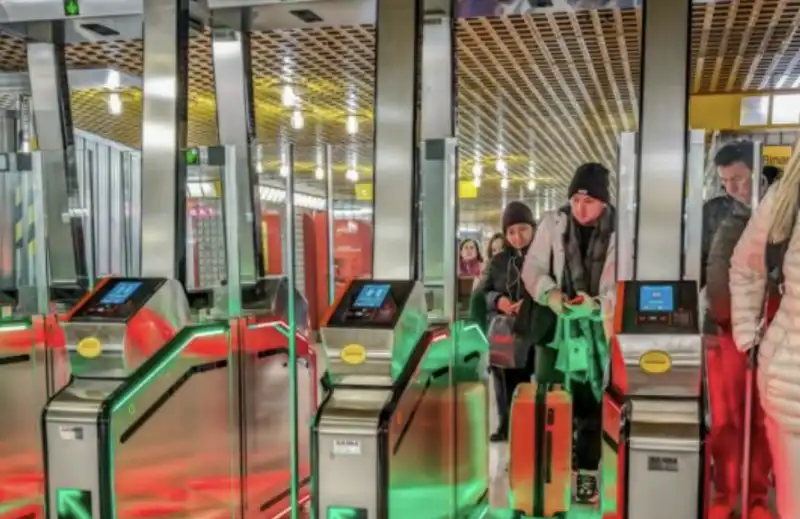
<point x="192" y="157"/>
<point x="72" y="8"/>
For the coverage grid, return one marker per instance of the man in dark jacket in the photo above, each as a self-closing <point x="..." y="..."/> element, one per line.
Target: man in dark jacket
<point x="726" y="380"/>
<point x="502" y="286"/>
<point x="734" y="162"/>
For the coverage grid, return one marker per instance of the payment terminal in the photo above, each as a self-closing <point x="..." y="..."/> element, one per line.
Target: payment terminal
<point x="654" y="409"/>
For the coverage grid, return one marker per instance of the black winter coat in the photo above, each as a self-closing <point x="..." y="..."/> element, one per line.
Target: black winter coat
<point x="503" y="278"/>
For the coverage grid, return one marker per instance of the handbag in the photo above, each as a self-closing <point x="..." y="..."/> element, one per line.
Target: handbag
<point x="509" y="347"/>
<point x="504" y="345"/>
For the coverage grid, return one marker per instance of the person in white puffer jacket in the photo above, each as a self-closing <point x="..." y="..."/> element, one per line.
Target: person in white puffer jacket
<point x="778" y="377"/>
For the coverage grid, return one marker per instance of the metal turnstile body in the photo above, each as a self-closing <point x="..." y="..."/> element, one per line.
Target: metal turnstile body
<point x="385" y="435"/>
<point x="654" y="409"/>
<point x="102" y="352"/>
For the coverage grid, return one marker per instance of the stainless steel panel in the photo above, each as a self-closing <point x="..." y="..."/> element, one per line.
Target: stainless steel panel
<point x="437" y="115"/>
<point x="28" y="367"/>
<point x="693" y="224"/>
<point x="232" y="75"/>
<point x="398" y="23"/>
<point x="51" y="110"/>
<point x="347" y="439"/>
<point x="386" y="350"/>
<point x="684" y="375"/>
<point x="757" y="178"/>
<point x="662" y="138"/>
<point x="665" y="465"/>
<point x="626" y="206"/>
<point x="164" y="127"/>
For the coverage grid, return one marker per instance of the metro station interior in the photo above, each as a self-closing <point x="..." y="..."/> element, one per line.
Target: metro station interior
<point x="232" y="265"/>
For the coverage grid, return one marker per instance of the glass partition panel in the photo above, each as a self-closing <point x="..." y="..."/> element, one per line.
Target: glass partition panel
<point x="32" y="361"/>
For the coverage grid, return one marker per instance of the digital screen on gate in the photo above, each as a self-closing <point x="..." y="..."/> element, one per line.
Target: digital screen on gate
<point x="372" y="296"/>
<point x="121" y="293"/>
<point x="656" y="298"/>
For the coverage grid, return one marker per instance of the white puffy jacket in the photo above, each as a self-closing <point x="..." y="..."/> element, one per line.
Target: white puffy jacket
<point x="536" y="270"/>
<point x="779" y="354"/>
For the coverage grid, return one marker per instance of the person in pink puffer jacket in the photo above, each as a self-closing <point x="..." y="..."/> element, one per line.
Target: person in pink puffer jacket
<point x="778" y="377"/>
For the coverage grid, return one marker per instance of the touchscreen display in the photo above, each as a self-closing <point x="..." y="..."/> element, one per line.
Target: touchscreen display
<point x="656" y="298"/>
<point x="372" y="296"/>
<point x="120" y="293"/>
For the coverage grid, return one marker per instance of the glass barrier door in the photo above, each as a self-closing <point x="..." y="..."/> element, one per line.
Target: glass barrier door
<point x="32" y="361"/>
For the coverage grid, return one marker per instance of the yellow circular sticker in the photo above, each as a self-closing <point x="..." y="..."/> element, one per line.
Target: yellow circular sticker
<point x="655" y="362"/>
<point x="90" y="347"/>
<point x="354" y="354"/>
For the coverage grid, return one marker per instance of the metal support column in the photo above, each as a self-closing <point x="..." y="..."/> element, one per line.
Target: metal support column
<point x="53" y="118"/>
<point x="395" y="225"/>
<point x="164" y="134"/>
<point x="663" y="139"/>
<point x="436" y="124"/>
<point x="235" y="118"/>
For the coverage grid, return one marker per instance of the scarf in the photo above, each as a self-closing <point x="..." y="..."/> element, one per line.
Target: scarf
<point x="582" y="274"/>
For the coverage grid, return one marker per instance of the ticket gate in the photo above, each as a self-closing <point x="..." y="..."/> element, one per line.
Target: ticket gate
<point x="655" y="411"/>
<point x="406" y="419"/>
<point x="138" y="432"/>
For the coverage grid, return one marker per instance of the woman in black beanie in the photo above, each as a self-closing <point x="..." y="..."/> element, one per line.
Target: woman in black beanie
<point x="574" y="254"/>
<point x="502" y="286"/>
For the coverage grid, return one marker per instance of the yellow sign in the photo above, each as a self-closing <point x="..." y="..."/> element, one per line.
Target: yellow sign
<point x="467" y="189"/>
<point x="655" y="362"/>
<point x="363" y="191"/>
<point x="777" y="156"/>
<point x="354" y="354"/>
<point x="90" y="347"/>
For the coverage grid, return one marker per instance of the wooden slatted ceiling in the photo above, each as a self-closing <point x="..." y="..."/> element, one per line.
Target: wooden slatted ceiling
<point x="551" y="88"/>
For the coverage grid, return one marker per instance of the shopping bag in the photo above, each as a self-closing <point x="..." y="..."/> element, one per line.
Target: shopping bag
<point x="506" y="349"/>
<point x="582" y="346"/>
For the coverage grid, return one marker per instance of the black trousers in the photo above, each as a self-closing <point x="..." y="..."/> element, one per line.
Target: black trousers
<point x="587" y="420"/>
<point x="505" y="383"/>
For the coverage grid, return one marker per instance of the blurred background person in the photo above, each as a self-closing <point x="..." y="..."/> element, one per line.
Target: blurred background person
<point x="496" y="245"/>
<point x="501" y="285"/>
<point x="768" y="253"/>
<point x="470" y="260"/>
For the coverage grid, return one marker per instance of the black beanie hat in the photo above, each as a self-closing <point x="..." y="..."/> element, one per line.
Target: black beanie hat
<point x="591" y="179"/>
<point x="517" y="212"/>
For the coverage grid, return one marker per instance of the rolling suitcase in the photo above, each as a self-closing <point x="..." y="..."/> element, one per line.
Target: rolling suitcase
<point x="540" y="450"/>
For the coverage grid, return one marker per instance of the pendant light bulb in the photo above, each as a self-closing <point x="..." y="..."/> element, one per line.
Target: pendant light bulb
<point x="297" y="120"/>
<point x="287" y="96"/>
<point x="351" y="125"/>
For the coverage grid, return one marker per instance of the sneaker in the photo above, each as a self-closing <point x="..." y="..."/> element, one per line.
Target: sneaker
<point x="500" y="435"/>
<point x="587" y="488"/>
<point x="721" y="511"/>
<point x="761" y="512"/>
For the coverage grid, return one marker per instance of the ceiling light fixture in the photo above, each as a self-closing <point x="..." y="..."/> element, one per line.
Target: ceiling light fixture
<point x="476" y="181"/>
<point x="113" y="81"/>
<point x="531" y="185"/>
<point x="319" y="173"/>
<point x="477" y="168"/>
<point x="284" y="171"/>
<point x="287" y="96"/>
<point x="351" y="125"/>
<point x="504" y="183"/>
<point x="114" y="104"/>
<point x="351" y="175"/>
<point x="500" y="165"/>
<point x="298" y="121"/>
